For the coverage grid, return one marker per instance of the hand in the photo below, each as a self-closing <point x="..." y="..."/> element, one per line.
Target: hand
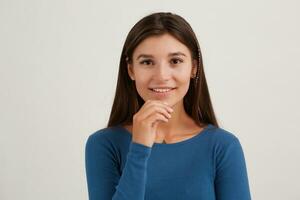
<point x="145" y="121"/>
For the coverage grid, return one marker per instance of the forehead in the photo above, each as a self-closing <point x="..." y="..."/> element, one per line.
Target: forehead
<point x="161" y="45"/>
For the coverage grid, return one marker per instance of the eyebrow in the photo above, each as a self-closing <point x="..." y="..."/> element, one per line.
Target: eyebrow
<point x="170" y="54"/>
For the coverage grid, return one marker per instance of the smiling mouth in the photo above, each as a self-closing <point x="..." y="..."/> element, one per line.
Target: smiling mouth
<point x="162" y="92"/>
<point x="155" y="89"/>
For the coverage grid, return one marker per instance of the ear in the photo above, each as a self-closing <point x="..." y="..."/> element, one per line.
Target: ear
<point x="130" y="71"/>
<point x="194" y="68"/>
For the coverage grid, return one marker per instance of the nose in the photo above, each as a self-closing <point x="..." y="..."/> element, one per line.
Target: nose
<point x="162" y="72"/>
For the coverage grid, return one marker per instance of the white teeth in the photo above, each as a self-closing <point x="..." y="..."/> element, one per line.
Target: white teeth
<point x="161" y="90"/>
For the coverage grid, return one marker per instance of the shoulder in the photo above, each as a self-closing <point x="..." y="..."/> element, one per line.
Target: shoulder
<point x="108" y="137"/>
<point x="222" y="138"/>
<point x="101" y="134"/>
<point x="226" y="146"/>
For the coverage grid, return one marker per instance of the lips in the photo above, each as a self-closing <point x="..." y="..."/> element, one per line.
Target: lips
<point x="162" y="94"/>
<point x="161" y="89"/>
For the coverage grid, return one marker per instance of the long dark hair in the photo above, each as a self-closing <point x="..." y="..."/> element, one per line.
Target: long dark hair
<point x="127" y="101"/>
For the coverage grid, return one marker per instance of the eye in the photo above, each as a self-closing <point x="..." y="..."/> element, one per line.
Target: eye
<point x="176" y="61"/>
<point x="145" y="61"/>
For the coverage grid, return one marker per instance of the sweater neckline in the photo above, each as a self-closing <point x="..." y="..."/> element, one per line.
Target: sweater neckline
<point x="203" y="132"/>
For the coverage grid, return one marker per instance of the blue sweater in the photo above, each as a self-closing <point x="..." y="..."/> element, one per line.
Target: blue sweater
<point x="210" y="165"/>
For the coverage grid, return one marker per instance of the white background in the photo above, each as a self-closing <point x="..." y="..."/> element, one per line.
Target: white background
<point x="58" y="69"/>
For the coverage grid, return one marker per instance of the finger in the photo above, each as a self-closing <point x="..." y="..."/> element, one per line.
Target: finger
<point x="158" y="103"/>
<point x="154" y="109"/>
<point x="156" y="118"/>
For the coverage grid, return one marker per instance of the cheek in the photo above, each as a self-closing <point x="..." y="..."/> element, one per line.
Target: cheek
<point x="183" y="78"/>
<point x="183" y="83"/>
<point x="142" y="88"/>
<point x="141" y="79"/>
<point x="140" y="84"/>
<point x="183" y="88"/>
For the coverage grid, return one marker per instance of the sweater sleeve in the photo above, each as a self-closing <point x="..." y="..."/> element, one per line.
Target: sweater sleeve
<point x="104" y="179"/>
<point x="231" y="179"/>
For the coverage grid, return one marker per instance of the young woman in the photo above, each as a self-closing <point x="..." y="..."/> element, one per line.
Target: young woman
<point x="162" y="140"/>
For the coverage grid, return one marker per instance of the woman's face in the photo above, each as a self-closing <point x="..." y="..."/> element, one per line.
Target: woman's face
<point x="162" y="62"/>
